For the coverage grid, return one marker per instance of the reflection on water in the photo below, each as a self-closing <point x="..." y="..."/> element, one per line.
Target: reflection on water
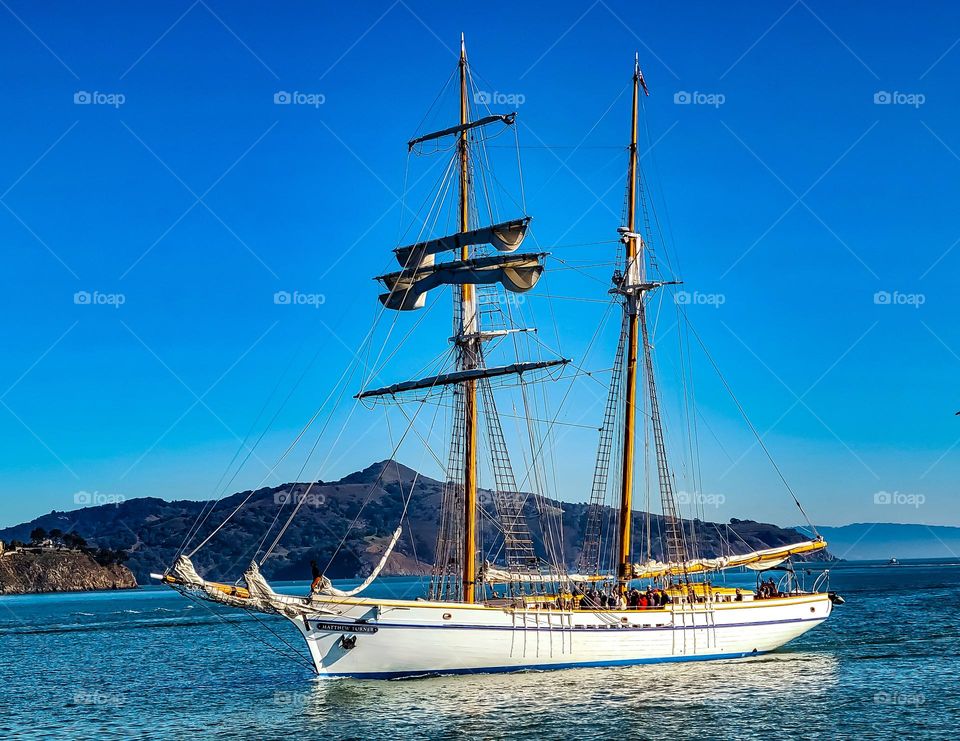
<point x="549" y="703"/>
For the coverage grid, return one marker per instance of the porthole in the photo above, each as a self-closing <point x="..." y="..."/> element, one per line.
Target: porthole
<point x="447" y="616"/>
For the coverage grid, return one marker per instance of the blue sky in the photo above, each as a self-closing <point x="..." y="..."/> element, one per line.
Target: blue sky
<point x="815" y="166"/>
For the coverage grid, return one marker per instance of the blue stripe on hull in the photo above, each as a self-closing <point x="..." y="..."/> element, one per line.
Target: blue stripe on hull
<point x="540" y="667"/>
<point x="557" y="628"/>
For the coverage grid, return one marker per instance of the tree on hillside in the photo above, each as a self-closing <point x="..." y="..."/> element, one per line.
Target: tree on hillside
<point x="56" y="535"/>
<point x="109" y="556"/>
<point x="72" y="540"/>
<point x="38" y="535"/>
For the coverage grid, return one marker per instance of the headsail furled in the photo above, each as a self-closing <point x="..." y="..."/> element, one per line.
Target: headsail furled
<point x="257" y="595"/>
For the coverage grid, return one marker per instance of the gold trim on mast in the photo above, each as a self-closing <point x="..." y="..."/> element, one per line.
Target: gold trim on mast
<point x="468" y="348"/>
<point x="632" y="278"/>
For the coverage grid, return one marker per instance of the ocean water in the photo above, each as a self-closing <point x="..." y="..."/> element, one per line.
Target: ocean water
<point x="151" y="664"/>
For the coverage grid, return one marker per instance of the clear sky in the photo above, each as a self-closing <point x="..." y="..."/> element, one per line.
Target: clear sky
<point x="805" y="156"/>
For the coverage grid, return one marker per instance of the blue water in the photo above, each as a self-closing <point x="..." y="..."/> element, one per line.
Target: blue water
<point x="150" y="664"/>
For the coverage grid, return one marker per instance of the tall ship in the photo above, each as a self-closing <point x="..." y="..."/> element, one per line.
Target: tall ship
<point x="512" y="601"/>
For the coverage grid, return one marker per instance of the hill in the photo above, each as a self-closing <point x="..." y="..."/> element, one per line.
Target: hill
<point x="151" y="530"/>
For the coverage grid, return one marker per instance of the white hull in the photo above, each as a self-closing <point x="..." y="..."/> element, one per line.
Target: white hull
<point x="411" y="638"/>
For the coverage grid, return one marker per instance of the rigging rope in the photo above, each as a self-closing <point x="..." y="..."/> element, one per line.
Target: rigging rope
<point x="406" y="500"/>
<point x="369" y="494"/>
<point x="204" y="513"/>
<point x="753" y="429"/>
<point x="254" y="491"/>
<point x="295" y="655"/>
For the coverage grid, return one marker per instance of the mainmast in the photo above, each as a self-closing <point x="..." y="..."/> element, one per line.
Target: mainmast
<point x="631" y="281"/>
<point x="469" y="351"/>
<point x="633" y="285"/>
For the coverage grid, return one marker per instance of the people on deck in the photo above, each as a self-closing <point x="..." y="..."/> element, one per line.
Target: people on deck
<point x="317" y="576"/>
<point x="767" y="589"/>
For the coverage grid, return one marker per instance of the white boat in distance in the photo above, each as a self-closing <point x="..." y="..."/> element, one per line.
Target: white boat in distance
<point x="514" y="606"/>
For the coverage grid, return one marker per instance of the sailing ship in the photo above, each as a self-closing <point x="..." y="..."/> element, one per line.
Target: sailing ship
<point x="519" y="608"/>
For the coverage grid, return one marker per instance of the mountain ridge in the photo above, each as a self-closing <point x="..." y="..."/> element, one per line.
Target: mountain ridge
<point x="883" y="540"/>
<point x="151" y="529"/>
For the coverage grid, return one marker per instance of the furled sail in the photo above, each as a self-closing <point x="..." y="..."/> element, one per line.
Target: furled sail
<point x="326" y="587"/>
<point x="407" y="288"/>
<point x="473" y="374"/>
<point x="258" y="595"/>
<point x="492" y="575"/>
<point x="506" y="237"/>
<point x="756" y="560"/>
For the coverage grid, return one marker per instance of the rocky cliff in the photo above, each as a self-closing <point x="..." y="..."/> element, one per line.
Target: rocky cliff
<point x="30" y="570"/>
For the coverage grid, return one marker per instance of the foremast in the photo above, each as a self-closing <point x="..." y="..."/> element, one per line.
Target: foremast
<point x="468" y="344"/>
<point x="457" y="575"/>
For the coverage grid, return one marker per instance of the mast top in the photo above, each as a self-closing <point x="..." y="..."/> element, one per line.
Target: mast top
<point x="638" y="74"/>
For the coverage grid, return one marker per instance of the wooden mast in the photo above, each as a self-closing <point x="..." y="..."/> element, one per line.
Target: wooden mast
<point x="468" y="348"/>
<point x="630" y="279"/>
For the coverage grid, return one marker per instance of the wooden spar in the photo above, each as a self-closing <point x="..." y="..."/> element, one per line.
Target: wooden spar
<point x="468" y="348"/>
<point x="630" y="306"/>
<point x="462" y="376"/>
<point x="505" y="118"/>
